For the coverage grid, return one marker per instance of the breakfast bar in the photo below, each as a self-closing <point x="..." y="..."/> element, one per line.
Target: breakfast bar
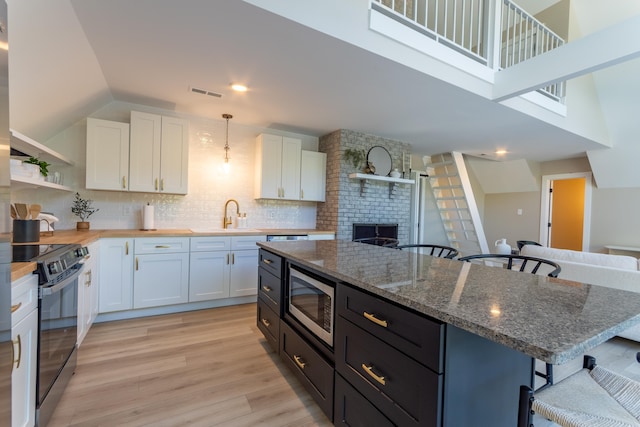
<point x="490" y="325"/>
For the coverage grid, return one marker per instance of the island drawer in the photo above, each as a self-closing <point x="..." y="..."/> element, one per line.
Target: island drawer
<point x="408" y="393"/>
<point x="351" y="409"/>
<point x="270" y="289"/>
<point x="415" y="335"/>
<point x="315" y="373"/>
<point x="269" y="324"/>
<point x="271" y="262"/>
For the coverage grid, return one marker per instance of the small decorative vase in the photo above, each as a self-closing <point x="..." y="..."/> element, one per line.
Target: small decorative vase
<point x="502" y="247"/>
<point x="82" y="225"/>
<point x="395" y="173"/>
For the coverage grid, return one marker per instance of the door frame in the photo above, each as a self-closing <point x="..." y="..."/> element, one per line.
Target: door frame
<point x="545" y="205"/>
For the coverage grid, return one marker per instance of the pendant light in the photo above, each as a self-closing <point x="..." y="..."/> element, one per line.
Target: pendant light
<point x="226" y="166"/>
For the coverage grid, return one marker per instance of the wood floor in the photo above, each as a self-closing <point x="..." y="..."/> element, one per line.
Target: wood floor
<point x="202" y="368"/>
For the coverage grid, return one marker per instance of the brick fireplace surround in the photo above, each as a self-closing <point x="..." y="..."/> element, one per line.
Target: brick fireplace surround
<point x="344" y="205"/>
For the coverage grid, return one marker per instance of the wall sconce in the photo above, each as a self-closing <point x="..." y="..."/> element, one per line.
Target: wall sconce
<point x="226" y="166"/>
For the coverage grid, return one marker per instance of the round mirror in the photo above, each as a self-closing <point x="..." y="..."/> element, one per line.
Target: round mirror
<point x="380" y="158"/>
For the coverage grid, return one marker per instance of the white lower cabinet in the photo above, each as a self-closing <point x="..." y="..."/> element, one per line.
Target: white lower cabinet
<point x="116" y="274"/>
<point x="161" y="272"/>
<point x="24" y="334"/>
<point x="223" y="267"/>
<point x="88" y="292"/>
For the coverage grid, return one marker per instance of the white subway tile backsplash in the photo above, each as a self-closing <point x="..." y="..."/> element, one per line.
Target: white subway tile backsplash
<point x="209" y="186"/>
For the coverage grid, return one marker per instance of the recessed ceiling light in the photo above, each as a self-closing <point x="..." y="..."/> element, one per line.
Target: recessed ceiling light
<point x="501" y="152"/>
<point x="238" y="87"/>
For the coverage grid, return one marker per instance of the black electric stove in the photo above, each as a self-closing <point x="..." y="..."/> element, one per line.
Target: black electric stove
<point x="54" y="262"/>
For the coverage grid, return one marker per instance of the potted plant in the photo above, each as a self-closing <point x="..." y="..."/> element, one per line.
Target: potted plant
<point x="82" y="209"/>
<point x="356" y="157"/>
<point x="44" y="166"/>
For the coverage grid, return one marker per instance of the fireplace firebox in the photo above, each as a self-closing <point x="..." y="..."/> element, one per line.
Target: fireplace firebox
<point x="376" y="234"/>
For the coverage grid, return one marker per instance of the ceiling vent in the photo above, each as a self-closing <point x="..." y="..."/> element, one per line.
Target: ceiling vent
<point x="205" y="92"/>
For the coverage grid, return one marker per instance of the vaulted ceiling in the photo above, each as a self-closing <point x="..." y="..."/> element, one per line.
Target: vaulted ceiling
<point x="68" y="58"/>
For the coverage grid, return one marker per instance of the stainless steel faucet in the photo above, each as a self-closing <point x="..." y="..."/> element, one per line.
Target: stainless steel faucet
<point x="227" y="219"/>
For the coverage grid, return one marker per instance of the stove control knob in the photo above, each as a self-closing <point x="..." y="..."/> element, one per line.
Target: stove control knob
<point x="55" y="267"/>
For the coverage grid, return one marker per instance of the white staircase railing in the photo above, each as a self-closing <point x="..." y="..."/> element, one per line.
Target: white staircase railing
<point x="522" y="38"/>
<point x="459" y="24"/>
<point x="469" y="27"/>
<point x="456" y="204"/>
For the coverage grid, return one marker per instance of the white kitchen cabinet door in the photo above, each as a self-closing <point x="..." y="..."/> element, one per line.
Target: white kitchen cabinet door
<point x="88" y="292"/>
<point x="24" y="334"/>
<point x="116" y="275"/>
<point x="144" y="160"/>
<point x="174" y="158"/>
<point x="209" y="275"/>
<point x="291" y="152"/>
<point x="277" y="167"/>
<point x="313" y="176"/>
<point x="244" y="273"/>
<point x="158" y="154"/>
<point x="161" y="279"/>
<point x="243" y="277"/>
<point x="107" y="155"/>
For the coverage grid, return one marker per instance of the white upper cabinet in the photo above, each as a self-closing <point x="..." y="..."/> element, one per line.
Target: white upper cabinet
<point x="313" y="176"/>
<point x="277" y="167"/>
<point x="159" y="151"/>
<point x="107" y="155"/>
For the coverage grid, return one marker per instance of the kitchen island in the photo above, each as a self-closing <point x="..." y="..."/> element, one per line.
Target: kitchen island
<point x="484" y="313"/>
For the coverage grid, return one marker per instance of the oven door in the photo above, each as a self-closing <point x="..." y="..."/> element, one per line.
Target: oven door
<point x="312" y="303"/>
<point x="58" y="310"/>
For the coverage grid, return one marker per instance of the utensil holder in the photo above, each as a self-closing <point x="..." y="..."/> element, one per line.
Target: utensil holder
<point x="26" y="231"/>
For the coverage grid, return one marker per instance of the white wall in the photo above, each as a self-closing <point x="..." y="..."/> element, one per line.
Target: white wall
<point x="614" y="218"/>
<point x="209" y="186"/>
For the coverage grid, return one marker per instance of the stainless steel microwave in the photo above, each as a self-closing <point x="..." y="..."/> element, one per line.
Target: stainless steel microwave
<point x="312" y="303"/>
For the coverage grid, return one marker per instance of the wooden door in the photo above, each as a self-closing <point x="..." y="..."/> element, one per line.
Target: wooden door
<point x="567" y="213"/>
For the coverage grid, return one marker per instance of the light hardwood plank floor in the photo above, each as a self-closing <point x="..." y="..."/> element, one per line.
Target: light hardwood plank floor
<point x="200" y="368"/>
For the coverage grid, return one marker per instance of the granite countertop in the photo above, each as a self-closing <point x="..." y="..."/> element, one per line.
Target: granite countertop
<point x="553" y="320"/>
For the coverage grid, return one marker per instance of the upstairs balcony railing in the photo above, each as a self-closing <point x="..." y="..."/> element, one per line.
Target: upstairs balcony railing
<point x="472" y="28"/>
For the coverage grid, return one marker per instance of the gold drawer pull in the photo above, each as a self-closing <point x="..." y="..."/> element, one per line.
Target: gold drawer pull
<point x="124" y="182"/>
<point x="267" y="288"/>
<point x="265" y="322"/>
<point x="375" y="320"/>
<point x="369" y="371"/>
<point x="299" y="361"/>
<point x="126" y="248"/>
<point x="19" y="343"/>
<point x="162" y="246"/>
<point x="267" y="261"/>
<point x="15" y="308"/>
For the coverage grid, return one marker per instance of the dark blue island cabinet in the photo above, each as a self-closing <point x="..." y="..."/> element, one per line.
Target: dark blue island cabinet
<point x="395" y="367"/>
<point x="392" y="366"/>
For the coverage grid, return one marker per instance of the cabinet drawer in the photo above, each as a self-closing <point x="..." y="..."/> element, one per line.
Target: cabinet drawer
<point x="270" y="290"/>
<point x="351" y="409"/>
<point x="271" y="262"/>
<point x="415" y="335"/>
<point x="269" y="324"/>
<point x="209" y="244"/>
<point x="408" y="393"/>
<point x="155" y="245"/>
<point x="246" y="242"/>
<point x="315" y="373"/>
<point x="24" y="297"/>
